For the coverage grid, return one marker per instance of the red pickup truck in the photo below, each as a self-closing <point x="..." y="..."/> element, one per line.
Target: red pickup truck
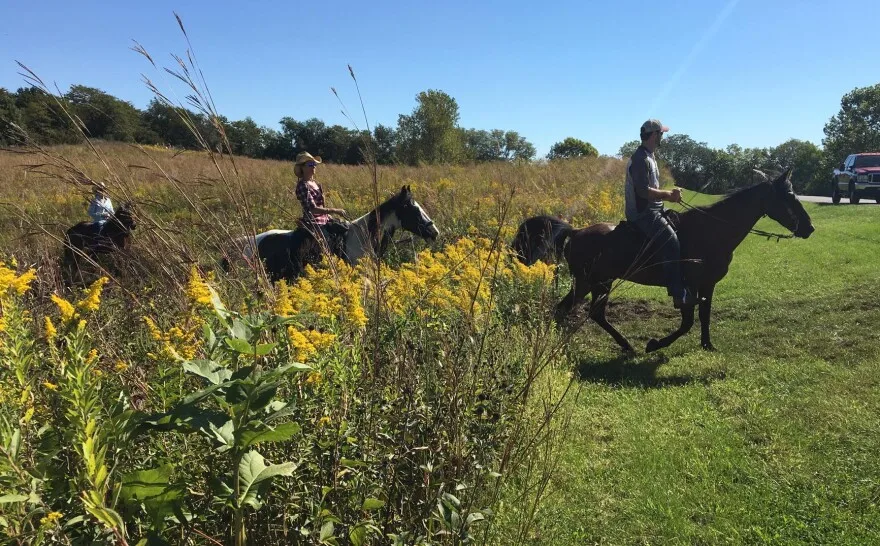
<point x="858" y="176"/>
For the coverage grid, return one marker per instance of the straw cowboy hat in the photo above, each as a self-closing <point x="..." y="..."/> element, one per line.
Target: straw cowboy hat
<point x="301" y="159"/>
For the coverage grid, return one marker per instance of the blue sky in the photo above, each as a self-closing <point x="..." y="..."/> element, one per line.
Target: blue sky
<point x="749" y="72"/>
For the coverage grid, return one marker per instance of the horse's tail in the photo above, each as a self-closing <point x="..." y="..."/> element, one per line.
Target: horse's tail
<point x="560" y="242"/>
<point x="539" y="236"/>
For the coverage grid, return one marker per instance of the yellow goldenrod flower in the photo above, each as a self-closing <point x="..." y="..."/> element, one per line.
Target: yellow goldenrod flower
<point x="155" y="332"/>
<point x="197" y="289"/>
<point x="51" y="332"/>
<point x="314" y="378"/>
<point x="50" y="386"/>
<point x="28" y="415"/>
<point x="324" y="421"/>
<point x="66" y="310"/>
<point x="10" y="282"/>
<point x="51" y="518"/>
<point x="120" y="366"/>
<point x="92" y="300"/>
<point x="283" y="306"/>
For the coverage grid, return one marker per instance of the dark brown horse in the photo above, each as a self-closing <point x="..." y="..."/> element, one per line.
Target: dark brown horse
<point x="601" y="253"/>
<point x="87" y="240"/>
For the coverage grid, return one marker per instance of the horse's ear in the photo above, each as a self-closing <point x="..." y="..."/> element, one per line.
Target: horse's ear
<point x="783" y="183"/>
<point x="762" y="175"/>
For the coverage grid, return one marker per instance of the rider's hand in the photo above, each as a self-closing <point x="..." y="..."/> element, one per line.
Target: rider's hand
<point x="341" y="212"/>
<point x="675" y="195"/>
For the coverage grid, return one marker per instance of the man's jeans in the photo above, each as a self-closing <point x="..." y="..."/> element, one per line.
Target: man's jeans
<point x="657" y="228"/>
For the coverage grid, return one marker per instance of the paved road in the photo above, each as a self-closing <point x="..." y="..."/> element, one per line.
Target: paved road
<point x="823" y="199"/>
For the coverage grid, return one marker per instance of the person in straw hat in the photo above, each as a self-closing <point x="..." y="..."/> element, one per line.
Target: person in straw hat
<point x="316" y="215"/>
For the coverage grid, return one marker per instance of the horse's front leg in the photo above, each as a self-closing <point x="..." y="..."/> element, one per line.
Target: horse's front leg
<point x="687" y="320"/>
<point x="705" y="311"/>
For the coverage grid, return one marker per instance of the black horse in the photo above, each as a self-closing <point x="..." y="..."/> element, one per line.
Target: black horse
<point x="88" y="240"/>
<point x="601" y="253"/>
<point x="286" y="252"/>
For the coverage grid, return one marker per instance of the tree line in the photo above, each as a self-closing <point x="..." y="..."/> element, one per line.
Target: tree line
<point x="431" y="134"/>
<point x="854" y="129"/>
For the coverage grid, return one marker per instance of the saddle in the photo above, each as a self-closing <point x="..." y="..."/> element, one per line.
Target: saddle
<point x="630" y="228"/>
<point x="335" y="230"/>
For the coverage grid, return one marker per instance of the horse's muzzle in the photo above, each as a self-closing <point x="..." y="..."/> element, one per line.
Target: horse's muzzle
<point x="805" y="232"/>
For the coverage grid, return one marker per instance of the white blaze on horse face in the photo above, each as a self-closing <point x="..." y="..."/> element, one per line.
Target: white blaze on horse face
<point x="426" y="219"/>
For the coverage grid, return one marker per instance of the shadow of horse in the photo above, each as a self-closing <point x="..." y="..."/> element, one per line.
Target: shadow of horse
<point x="632" y="371"/>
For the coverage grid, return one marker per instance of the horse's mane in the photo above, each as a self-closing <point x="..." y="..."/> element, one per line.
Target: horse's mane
<point x="731" y="196"/>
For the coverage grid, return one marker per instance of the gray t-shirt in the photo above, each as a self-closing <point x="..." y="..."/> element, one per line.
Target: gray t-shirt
<point x="641" y="173"/>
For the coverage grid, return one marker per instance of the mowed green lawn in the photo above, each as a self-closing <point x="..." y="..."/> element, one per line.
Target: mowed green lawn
<point x="774" y="439"/>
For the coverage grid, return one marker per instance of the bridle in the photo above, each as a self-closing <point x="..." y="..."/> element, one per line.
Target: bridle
<point x="752" y="231"/>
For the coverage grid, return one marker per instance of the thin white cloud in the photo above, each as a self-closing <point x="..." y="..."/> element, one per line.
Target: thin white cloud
<point x="698" y="47"/>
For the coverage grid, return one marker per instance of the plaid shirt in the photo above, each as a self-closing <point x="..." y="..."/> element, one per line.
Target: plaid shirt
<point x="311" y="195"/>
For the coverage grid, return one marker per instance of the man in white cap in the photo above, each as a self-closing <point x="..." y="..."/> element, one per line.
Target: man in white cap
<point x="644" y="208"/>
<point x="101" y="207"/>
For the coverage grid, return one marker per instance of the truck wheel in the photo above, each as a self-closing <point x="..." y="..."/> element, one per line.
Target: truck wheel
<point x="853" y="196"/>
<point x="835" y="194"/>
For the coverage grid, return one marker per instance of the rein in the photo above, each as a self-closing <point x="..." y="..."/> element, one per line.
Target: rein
<point x="752" y="231"/>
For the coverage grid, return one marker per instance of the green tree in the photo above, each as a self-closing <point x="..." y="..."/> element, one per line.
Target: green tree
<point x="277" y="145"/>
<point x="855" y="128"/>
<point x="628" y="149"/>
<point x="807" y="163"/>
<point x="245" y="137"/>
<point x="385" y="144"/>
<point x="572" y="147"/>
<point x="9" y="115"/>
<point x="167" y="122"/>
<point x="431" y="133"/>
<point x="496" y="145"/>
<point x="43" y="119"/>
<point x="103" y="115"/>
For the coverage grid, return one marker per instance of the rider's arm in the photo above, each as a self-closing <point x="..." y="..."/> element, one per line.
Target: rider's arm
<point x="326" y="210"/>
<point x="641" y="179"/>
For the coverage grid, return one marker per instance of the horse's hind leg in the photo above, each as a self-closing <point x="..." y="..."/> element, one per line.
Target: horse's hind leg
<point x="687" y="320"/>
<point x="597" y="313"/>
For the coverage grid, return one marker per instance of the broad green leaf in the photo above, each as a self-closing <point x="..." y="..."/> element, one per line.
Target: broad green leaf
<point x="351" y="463"/>
<point x="224" y="435"/>
<point x="239" y="346"/>
<point x="15" y="444"/>
<point x="5" y="499"/>
<point x="263" y="433"/>
<point x="211" y="371"/>
<point x="209" y="335"/>
<point x="217" y="304"/>
<point x="144" y="484"/>
<point x="240" y="330"/>
<point x="252" y="471"/>
<point x="265" y="348"/>
<point x="474" y="517"/>
<point x="326" y="531"/>
<point x="357" y="535"/>
<point x="198" y="396"/>
<point x="372" y="504"/>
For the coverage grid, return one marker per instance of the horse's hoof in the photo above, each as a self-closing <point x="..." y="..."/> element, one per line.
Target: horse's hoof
<point x="709" y="347"/>
<point x="653" y="345"/>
